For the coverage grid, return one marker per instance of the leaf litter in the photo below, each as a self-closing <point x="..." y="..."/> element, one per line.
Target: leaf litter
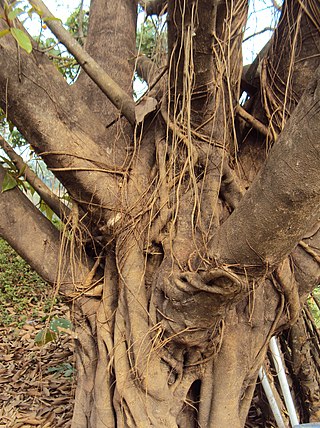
<point x="37" y="384"/>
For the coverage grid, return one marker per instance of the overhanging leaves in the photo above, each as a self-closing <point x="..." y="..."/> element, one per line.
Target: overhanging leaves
<point x="9" y="182"/>
<point x="22" y="39"/>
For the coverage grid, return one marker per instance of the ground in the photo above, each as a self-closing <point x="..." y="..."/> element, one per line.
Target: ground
<point x="36" y="383"/>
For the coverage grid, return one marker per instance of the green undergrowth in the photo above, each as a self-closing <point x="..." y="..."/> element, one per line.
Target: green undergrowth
<point x="23" y="294"/>
<point x="314" y="302"/>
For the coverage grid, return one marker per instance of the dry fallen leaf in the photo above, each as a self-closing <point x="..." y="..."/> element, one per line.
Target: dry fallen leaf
<point x="30" y="396"/>
<point x="145" y="106"/>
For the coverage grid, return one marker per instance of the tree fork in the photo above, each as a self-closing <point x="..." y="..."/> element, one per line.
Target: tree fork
<point x="280" y="184"/>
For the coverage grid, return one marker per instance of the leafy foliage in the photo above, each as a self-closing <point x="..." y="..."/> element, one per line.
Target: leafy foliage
<point x="314" y="302"/>
<point x="13" y="176"/>
<point x="9" y="17"/>
<point x="152" y="39"/>
<point x="9" y="182"/>
<point x="66" y="369"/>
<point x="56" y="327"/>
<point x="23" y="40"/>
<point x="77" y="24"/>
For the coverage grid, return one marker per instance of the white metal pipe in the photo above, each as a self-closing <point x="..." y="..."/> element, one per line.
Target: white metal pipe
<point x="271" y="398"/>
<point x="283" y="381"/>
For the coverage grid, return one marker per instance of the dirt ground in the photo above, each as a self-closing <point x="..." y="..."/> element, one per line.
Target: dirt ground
<point x="36" y="383"/>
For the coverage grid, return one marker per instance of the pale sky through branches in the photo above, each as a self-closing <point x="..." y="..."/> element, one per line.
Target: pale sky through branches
<point x="262" y="15"/>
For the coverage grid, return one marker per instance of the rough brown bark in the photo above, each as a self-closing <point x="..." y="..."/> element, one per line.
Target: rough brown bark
<point x="174" y="330"/>
<point x="58" y="125"/>
<point x="279" y="184"/>
<point x="35" y="238"/>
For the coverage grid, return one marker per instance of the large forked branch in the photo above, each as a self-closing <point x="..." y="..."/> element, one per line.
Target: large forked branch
<point x="61" y="127"/>
<point x="35" y="238"/>
<point x="116" y="95"/>
<point x="283" y="203"/>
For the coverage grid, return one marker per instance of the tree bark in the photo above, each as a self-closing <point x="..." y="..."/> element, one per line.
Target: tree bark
<point x="288" y="181"/>
<point x="36" y="240"/>
<point x="198" y="275"/>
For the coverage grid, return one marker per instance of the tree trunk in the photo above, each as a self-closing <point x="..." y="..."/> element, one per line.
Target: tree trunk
<point x="187" y="247"/>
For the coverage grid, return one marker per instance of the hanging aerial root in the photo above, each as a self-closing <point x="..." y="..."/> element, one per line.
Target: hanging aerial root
<point x="178" y="132"/>
<point x="285" y="276"/>
<point x="310" y="251"/>
<point x="230" y="190"/>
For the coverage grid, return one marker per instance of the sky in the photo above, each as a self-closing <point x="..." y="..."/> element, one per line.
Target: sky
<point x="63" y="9"/>
<point x="262" y="14"/>
<point x="59" y="8"/>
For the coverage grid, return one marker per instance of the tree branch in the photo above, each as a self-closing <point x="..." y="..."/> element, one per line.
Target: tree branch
<point x="35" y="238"/>
<point x="154" y="7"/>
<point x="52" y="116"/>
<point x="250" y="73"/>
<point x="257" y="33"/>
<point x="111" y="42"/>
<point x="255" y="123"/>
<point x="291" y="62"/>
<point x="109" y="87"/>
<point x="284" y="200"/>
<point x="52" y="200"/>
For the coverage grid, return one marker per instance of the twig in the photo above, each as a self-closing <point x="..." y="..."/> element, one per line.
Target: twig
<point x="109" y="87"/>
<point x="255" y="123"/>
<point x="310" y="251"/>
<point x="276" y="5"/>
<point x="257" y="33"/>
<point x="83" y="168"/>
<point x="52" y="200"/>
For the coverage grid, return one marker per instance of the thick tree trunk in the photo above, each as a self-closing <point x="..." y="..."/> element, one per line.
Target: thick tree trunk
<point x="189" y="276"/>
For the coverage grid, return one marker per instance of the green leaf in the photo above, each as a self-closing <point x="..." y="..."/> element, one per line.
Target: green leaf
<point x="57" y="323"/>
<point x="68" y="373"/>
<point x="30" y="12"/>
<point x="9" y="163"/>
<point x="49" y="213"/>
<point x="44" y="336"/>
<point x="22" y="39"/>
<point x="22" y="170"/>
<point x="46" y="210"/>
<point x="9" y="182"/>
<point x="30" y="189"/>
<point x="4" y="32"/>
<point x="14" y="13"/>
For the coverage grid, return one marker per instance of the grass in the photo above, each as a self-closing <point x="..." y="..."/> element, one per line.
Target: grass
<point x="22" y="292"/>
